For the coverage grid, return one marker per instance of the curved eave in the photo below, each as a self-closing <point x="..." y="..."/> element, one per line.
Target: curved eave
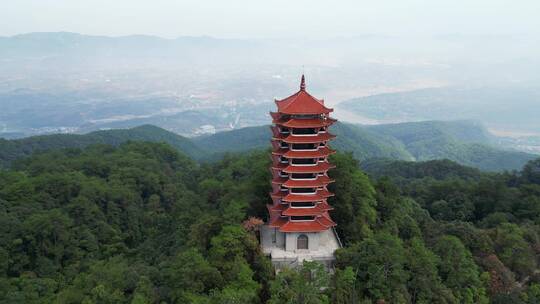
<point x="321" y="152"/>
<point x="308" y="226"/>
<point x="298" y="139"/>
<point x="304" y="123"/>
<point x="318" y="182"/>
<point x="319" y="167"/>
<point x="278" y="222"/>
<point x="316" y="210"/>
<point x="320" y="195"/>
<point x="279" y="180"/>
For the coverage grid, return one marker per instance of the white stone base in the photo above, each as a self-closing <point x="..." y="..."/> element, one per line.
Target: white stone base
<point x="284" y="253"/>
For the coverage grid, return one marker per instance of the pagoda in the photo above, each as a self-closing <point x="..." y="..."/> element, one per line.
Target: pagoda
<point x="299" y="226"/>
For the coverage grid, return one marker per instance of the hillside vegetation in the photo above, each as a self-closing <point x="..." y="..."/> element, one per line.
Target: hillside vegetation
<point x="464" y="142"/>
<point x="143" y="223"/>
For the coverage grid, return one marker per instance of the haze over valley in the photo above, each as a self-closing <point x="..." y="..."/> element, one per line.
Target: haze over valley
<point x="72" y="83"/>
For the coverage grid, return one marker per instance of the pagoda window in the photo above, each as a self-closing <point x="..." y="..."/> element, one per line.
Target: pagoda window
<point x="274" y="235"/>
<point x="284" y="130"/>
<point x="303" y="176"/>
<point x="322" y="144"/>
<point x="321" y="159"/>
<point x="304" y="161"/>
<point x="302" y="204"/>
<point x="284" y="145"/>
<point x="304" y="131"/>
<point x="284" y="160"/>
<point x="302" y="242"/>
<point x="303" y="190"/>
<point x="302" y="218"/>
<point x="283" y="174"/>
<point x="304" y="147"/>
<point x="322" y="130"/>
<point x="284" y="189"/>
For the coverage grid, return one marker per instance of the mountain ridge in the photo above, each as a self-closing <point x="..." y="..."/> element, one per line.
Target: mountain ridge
<point x="422" y="141"/>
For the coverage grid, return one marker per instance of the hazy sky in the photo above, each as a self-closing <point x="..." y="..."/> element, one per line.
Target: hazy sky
<point x="271" y="18"/>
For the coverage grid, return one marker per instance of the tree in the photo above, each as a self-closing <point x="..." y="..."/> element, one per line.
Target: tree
<point x="424" y="283"/>
<point x="458" y="271"/>
<point x="344" y="286"/>
<point x="531" y="172"/>
<point x="354" y="202"/>
<point x="189" y="274"/>
<point x="302" y="286"/>
<point x="513" y="250"/>
<point x="379" y="264"/>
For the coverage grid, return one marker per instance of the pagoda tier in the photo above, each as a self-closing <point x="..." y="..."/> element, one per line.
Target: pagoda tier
<point x="317" y="182"/>
<point x="320" y="152"/>
<point x="300" y="164"/>
<point x="287" y="210"/>
<point x="302" y="103"/>
<point x="317" y="168"/>
<point x="293" y="197"/>
<point x="304" y="139"/>
<point x="304" y="123"/>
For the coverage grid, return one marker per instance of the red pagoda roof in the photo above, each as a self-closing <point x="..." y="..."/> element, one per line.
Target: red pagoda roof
<point x="317" y="210"/>
<point x="302" y="139"/>
<point x="276" y="208"/>
<point x="295" y="197"/>
<point x="325" y="219"/>
<point x="302" y="103"/>
<point x="279" y="180"/>
<point x="278" y="222"/>
<point x="319" y="167"/>
<point x="321" y="152"/>
<point x="317" y="197"/>
<point x="304" y="123"/>
<point x="319" y="224"/>
<point x="308" y="183"/>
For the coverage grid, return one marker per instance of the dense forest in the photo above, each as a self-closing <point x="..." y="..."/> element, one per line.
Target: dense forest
<point x="144" y="223"/>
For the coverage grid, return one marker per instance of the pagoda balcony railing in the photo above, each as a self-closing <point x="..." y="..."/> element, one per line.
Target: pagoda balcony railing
<point x="303" y="178"/>
<point x="306" y="206"/>
<point x="304" y="193"/>
<point x="304" y="147"/>
<point x="316" y="149"/>
<point x="304" y="162"/>
<point x="314" y="191"/>
<point x="306" y="116"/>
<point x="300" y="219"/>
<point x="304" y="165"/>
<point x="310" y="134"/>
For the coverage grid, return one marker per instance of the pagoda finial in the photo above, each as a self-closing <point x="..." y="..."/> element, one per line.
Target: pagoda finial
<point x="303" y="83"/>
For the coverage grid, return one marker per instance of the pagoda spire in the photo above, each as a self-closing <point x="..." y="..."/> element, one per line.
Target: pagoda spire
<point x="303" y="83"/>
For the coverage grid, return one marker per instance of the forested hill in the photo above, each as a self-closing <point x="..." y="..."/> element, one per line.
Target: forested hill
<point x="464" y="142"/>
<point x="17" y="148"/>
<point x="144" y="223"/>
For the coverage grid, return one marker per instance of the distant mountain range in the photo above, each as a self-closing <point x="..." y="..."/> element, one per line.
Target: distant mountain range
<point x="465" y="142"/>
<point x="514" y="108"/>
